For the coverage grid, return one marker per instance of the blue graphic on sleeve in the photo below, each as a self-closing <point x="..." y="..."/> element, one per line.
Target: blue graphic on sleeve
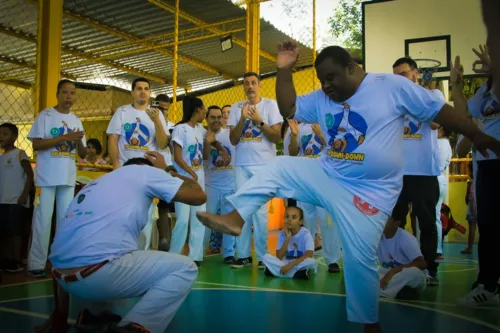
<point x="346" y="131"/>
<point x="137" y="134"/>
<point x="196" y="155"/>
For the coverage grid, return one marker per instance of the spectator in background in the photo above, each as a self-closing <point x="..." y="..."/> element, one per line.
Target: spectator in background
<point x="445" y="154"/>
<point x="58" y="136"/>
<point x="94" y="150"/>
<point x="136" y="128"/>
<point x="16" y="180"/>
<point x="470" y="201"/>
<point x="255" y="126"/>
<point x="107" y="158"/>
<point x="226" y="110"/>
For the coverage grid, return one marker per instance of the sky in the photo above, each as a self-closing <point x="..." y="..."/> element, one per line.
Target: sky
<point x="294" y="18"/>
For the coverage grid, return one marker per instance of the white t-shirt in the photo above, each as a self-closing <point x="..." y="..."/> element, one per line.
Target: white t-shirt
<point x="136" y="130"/>
<point x="286" y="141"/>
<point x="12" y="176"/>
<point x="104" y="220"/>
<point x="485" y="107"/>
<point x="298" y="245"/>
<point x="309" y="143"/>
<point x="56" y="166"/>
<point x="191" y="141"/>
<point x="445" y="154"/>
<point x="166" y="152"/>
<point x="217" y="174"/>
<point x="421" y="156"/>
<point x="399" y="250"/>
<point x="364" y="134"/>
<point x="254" y="148"/>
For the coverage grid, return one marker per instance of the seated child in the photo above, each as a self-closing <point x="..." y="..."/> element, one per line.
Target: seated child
<point x="94" y="150"/>
<point x="294" y="253"/>
<point x="402" y="262"/>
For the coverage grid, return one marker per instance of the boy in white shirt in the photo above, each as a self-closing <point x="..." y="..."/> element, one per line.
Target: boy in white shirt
<point x="16" y="180"/>
<point x="219" y="180"/>
<point x="295" y="249"/>
<point x="402" y="262"/>
<point x="360" y="185"/>
<point x="255" y="126"/>
<point x="58" y="136"/>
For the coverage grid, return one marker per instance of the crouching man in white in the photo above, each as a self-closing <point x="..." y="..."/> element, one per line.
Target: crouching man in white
<point x="294" y="253"/>
<point x="95" y="255"/>
<point x="402" y="262"/>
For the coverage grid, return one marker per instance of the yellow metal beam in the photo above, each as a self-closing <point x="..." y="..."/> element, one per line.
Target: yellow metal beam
<point x="159" y="46"/>
<point x="102" y="27"/>
<point x="16" y="84"/>
<point x="199" y="22"/>
<point x="22" y="63"/>
<point x="127" y="69"/>
<point x="168" y="35"/>
<point x="48" y="53"/>
<point x="252" y="58"/>
<point x="244" y="2"/>
<point x="176" y="58"/>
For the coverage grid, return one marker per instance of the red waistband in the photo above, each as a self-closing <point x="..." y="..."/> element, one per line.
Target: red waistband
<point x="80" y="275"/>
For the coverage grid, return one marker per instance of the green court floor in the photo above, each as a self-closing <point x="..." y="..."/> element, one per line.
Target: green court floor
<point x="229" y="300"/>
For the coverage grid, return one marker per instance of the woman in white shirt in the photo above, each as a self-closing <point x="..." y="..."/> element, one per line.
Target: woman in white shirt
<point x="188" y="140"/>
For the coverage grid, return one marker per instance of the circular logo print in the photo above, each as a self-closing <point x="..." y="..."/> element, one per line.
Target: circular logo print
<point x="127" y="127"/>
<point x="329" y="120"/>
<point x="81" y="197"/>
<point x="214" y="152"/>
<point x="54" y="131"/>
<point x="191" y="148"/>
<point x="364" y="207"/>
<point x="304" y="139"/>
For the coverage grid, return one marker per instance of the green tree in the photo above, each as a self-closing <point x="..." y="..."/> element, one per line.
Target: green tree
<point x="345" y="24"/>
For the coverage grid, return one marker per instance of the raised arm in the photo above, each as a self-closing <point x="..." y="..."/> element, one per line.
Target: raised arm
<point x="293" y="147"/>
<point x="286" y="95"/>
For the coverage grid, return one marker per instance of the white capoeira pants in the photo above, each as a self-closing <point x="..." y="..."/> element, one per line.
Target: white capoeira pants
<point x="217" y="204"/>
<point x="443" y="189"/>
<point x="329" y="233"/>
<point x="259" y="218"/>
<point x="409" y="277"/>
<point x="162" y="280"/>
<point x="303" y="179"/>
<point x="42" y="222"/>
<point x="186" y="216"/>
<point x="274" y="265"/>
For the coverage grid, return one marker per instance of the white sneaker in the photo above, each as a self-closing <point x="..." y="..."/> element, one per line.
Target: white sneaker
<point x="478" y="297"/>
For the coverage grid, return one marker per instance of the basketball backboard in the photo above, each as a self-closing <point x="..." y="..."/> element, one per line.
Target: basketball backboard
<point x="421" y="29"/>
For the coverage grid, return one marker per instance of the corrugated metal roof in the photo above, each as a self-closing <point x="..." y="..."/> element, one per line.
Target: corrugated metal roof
<point x="138" y="19"/>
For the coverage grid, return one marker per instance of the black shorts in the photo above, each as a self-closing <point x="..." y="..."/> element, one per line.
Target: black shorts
<point x="11" y="223"/>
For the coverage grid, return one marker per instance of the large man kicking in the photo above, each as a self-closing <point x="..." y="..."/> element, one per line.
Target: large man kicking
<point x="94" y="254"/>
<point x="359" y="176"/>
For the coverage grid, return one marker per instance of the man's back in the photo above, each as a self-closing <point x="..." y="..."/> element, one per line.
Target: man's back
<point x="104" y="220"/>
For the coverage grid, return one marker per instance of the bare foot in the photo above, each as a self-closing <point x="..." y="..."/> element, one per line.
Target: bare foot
<point x="373" y="328"/>
<point x="230" y="224"/>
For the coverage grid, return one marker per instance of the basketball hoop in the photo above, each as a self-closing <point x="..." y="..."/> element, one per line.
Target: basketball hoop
<point x="427" y="68"/>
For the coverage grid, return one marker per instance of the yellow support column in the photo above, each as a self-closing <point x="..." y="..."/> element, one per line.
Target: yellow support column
<point x="314" y="43"/>
<point x="252" y="56"/>
<point x="49" y="37"/>
<point x="176" y="60"/>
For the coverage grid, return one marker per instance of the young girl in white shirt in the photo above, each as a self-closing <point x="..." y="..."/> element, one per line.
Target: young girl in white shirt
<point x="295" y="249"/>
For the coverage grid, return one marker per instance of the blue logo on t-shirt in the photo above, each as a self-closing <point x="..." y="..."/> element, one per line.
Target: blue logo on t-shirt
<point x="136" y="134"/>
<point x="347" y="131"/>
<point x="196" y="155"/>
<point x="295" y="253"/>
<point x="251" y="132"/>
<point x="311" y="145"/>
<point x="490" y="108"/>
<point x="411" y="128"/>
<point x="217" y="159"/>
<point x="66" y="146"/>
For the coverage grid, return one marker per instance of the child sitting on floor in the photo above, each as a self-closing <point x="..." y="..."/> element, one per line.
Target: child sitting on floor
<point x="294" y="253"/>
